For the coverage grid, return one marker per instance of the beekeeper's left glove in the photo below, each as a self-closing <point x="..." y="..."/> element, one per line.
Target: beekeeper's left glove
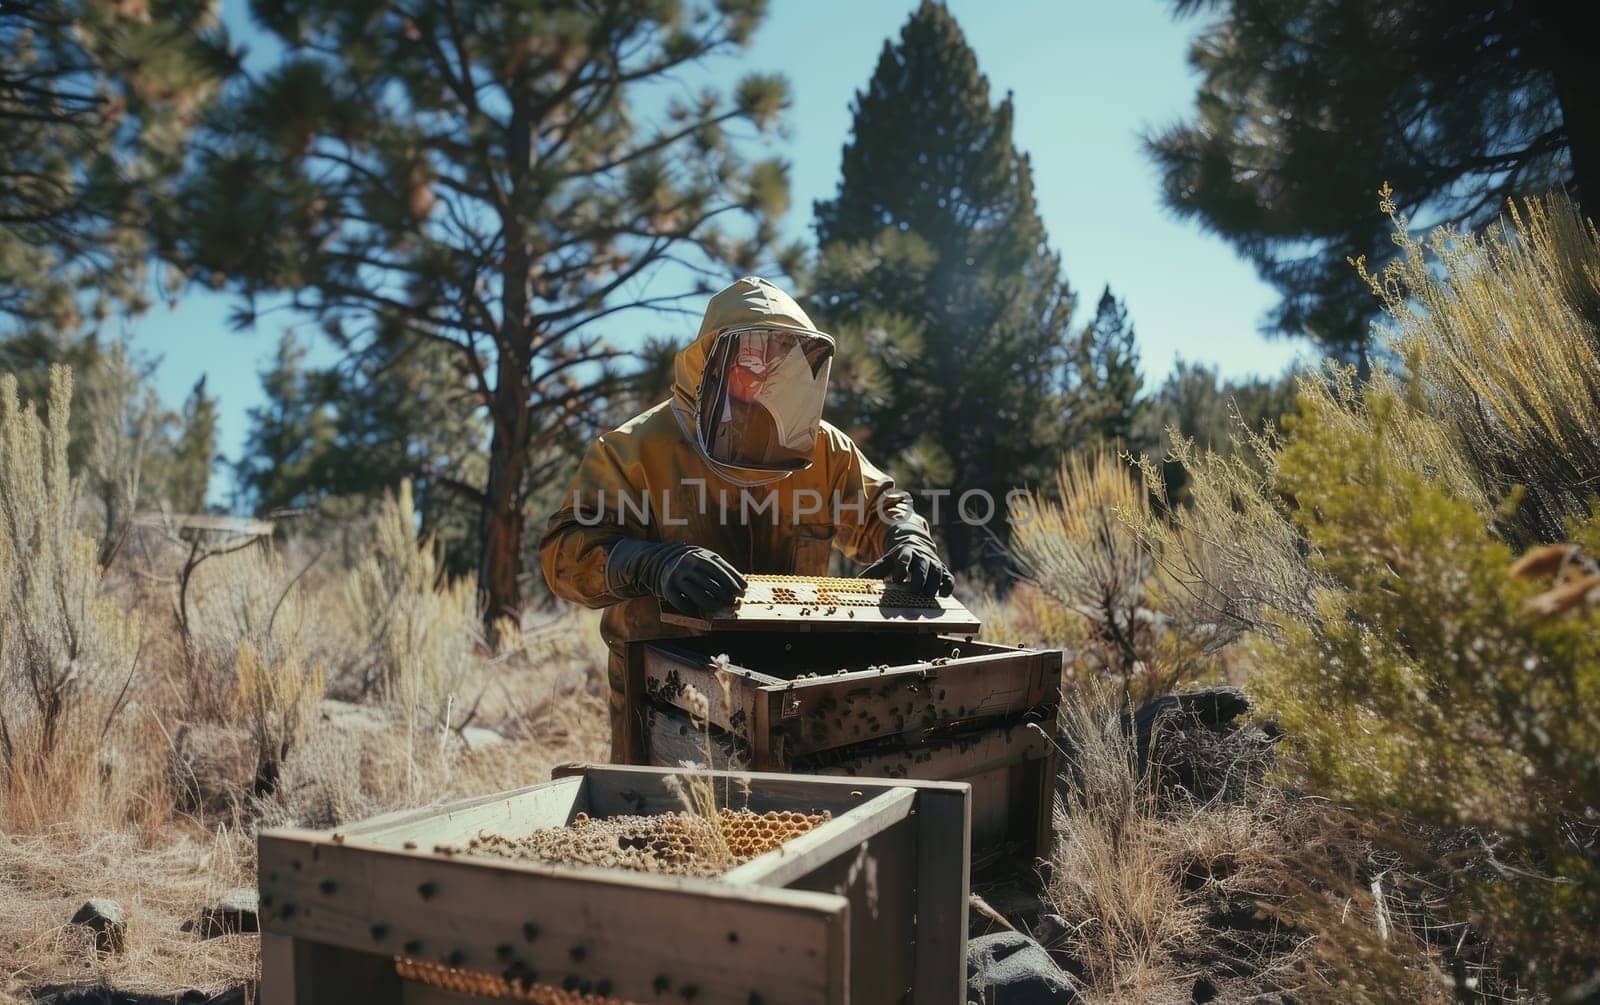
<point x="911" y="558"/>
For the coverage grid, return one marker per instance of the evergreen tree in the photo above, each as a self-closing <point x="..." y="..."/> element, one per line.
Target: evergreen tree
<point x="287" y="457"/>
<point x="1307" y="107"/>
<point x="193" y="452"/>
<point x="338" y="438"/>
<point x="934" y="242"/>
<point x="407" y="414"/>
<point x="1104" y="403"/>
<point x="1219" y="415"/>
<point x="96" y="102"/>
<point x="475" y="173"/>
<point x="876" y="343"/>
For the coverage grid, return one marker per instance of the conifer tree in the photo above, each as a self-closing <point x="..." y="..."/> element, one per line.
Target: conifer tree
<point x="338" y="438"/>
<point x="287" y="454"/>
<point x="479" y="174"/>
<point x="96" y="104"/>
<point x="193" y="452"/>
<point x="1306" y="108"/>
<point x="934" y="246"/>
<point x="1104" y="403"/>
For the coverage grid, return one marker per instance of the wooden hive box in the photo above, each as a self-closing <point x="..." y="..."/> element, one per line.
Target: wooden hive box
<point x="869" y="907"/>
<point x="845" y="677"/>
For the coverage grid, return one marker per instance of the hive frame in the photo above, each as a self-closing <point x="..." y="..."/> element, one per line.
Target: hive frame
<point x="831" y="603"/>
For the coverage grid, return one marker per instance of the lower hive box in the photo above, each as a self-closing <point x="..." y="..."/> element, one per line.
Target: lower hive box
<point x="817" y="685"/>
<point x="624" y="885"/>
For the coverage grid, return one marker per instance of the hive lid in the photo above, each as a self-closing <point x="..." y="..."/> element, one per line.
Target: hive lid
<point x="833" y="604"/>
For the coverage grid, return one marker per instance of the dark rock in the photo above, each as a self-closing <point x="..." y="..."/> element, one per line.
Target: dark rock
<point x="105" y="919"/>
<point x="1050" y="928"/>
<point x="1190" y="743"/>
<point x="1212" y="707"/>
<point x="233" y="912"/>
<point x="1008" y="968"/>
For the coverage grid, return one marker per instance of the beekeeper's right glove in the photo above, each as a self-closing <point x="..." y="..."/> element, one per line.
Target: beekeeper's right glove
<point x="696" y="581"/>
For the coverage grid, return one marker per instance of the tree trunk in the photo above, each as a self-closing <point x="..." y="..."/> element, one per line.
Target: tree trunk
<point x="1576" y="74"/>
<point x="500" y="574"/>
<point x="502" y="523"/>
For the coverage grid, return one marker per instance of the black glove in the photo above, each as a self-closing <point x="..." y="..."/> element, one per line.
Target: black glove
<point x="910" y="558"/>
<point x="696" y="581"/>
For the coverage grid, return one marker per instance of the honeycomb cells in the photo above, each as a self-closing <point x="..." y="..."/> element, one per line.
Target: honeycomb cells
<point x="831" y="591"/>
<point x="750" y="834"/>
<point x="681" y="843"/>
<point x="494" y="986"/>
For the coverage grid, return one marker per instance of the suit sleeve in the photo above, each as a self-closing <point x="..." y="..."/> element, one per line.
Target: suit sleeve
<point x="868" y="503"/>
<point x="578" y="539"/>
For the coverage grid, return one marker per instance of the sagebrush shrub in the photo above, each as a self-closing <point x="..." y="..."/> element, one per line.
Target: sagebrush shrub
<point x="417" y="627"/>
<point x="1423" y="688"/>
<point x="1125" y="610"/>
<point x="1367" y="551"/>
<point x="247" y="645"/>
<point x="70" y="657"/>
<point x="1500" y="331"/>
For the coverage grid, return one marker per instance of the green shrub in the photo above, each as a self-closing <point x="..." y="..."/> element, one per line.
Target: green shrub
<point x="1366" y="554"/>
<point x="1423" y="689"/>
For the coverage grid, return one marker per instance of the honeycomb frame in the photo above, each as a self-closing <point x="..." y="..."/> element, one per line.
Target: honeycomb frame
<point x="833" y="591"/>
<point x="678" y="843"/>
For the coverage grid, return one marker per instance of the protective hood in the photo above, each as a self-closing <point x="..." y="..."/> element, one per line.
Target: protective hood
<point x="748" y="391"/>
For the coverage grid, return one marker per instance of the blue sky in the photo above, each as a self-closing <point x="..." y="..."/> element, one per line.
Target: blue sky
<point x="1086" y="76"/>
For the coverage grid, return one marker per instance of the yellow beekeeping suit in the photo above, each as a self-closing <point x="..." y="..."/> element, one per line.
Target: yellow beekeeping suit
<point x="652" y="479"/>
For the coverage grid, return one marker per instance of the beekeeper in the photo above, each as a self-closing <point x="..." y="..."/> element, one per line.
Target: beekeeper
<point x="737" y="473"/>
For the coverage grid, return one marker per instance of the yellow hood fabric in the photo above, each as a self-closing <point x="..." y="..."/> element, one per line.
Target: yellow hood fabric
<point x="747" y="303"/>
<point x="655" y="456"/>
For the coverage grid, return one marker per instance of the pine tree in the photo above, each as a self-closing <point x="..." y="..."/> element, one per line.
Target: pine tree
<point x="287" y="457"/>
<point x="96" y="103"/>
<point x="951" y="266"/>
<point x="187" y="477"/>
<point x="1306" y="109"/>
<point x="1218" y="414"/>
<point x="407" y="414"/>
<point x="1104" y="403"/>
<point x="477" y="174"/>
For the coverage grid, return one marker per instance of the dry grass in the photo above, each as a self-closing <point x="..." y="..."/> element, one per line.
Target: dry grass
<point x="1259" y="893"/>
<point x="47" y="877"/>
<point x="248" y="650"/>
<point x="547" y="701"/>
<point x="1124" y="911"/>
<point x="143" y="740"/>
